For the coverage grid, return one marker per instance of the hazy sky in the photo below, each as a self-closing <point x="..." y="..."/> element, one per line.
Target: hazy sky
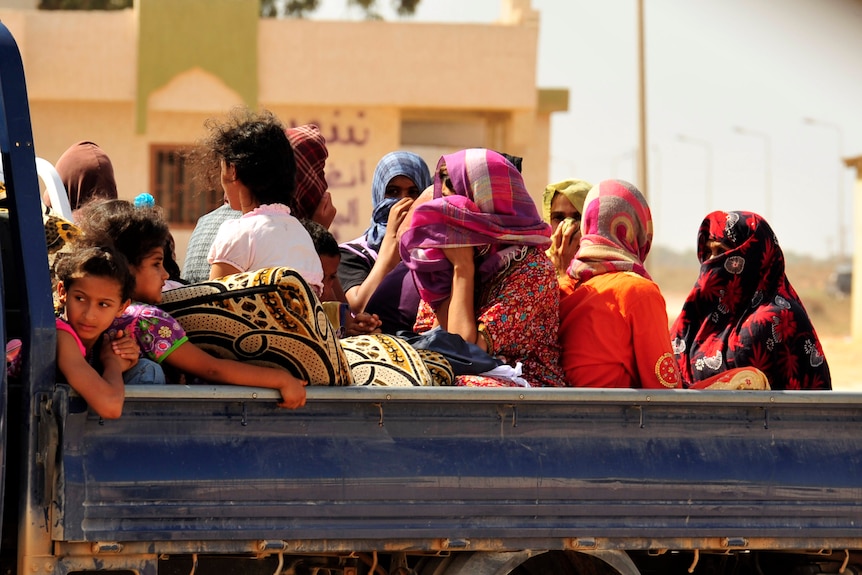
<point x="712" y="66"/>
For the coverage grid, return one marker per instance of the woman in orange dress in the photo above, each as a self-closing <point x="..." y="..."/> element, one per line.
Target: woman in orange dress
<point x="613" y="325"/>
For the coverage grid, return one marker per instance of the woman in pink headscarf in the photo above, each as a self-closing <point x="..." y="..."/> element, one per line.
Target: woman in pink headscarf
<point x="477" y="254"/>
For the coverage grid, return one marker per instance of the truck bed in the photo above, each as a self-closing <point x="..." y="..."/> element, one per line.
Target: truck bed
<point x="483" y="469"/>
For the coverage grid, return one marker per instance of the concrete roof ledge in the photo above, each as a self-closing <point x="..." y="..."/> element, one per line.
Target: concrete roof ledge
<point x="552" y="100"/>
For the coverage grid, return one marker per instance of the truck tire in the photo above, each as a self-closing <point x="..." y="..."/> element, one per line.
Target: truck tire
<point x="474" y="563"/>
<point x="531" y="563"/>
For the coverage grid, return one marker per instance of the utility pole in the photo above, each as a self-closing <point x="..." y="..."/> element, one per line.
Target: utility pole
<point x="643" y="164"/>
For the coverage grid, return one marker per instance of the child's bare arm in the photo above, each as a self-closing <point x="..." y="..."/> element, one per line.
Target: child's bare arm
<point x="104" y="393"/>
<point x="218" y="270"/>
<point x="191" y="359"/>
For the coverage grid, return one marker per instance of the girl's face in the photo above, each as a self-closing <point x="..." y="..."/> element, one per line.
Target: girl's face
<point x="402" y="187"/>
<point x="91" y="304"/>
<point x="150" y="277"/>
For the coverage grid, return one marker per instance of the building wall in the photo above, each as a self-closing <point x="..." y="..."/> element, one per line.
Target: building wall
<point x="373" y="87"/>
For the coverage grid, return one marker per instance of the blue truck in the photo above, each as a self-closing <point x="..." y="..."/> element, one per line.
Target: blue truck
<point x="425" y="481"/>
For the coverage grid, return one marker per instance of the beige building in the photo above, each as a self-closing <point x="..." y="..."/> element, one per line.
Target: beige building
<point x="141" y="83"/>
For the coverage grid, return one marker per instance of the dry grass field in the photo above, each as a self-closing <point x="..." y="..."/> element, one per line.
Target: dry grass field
<point x="675" y="274"/>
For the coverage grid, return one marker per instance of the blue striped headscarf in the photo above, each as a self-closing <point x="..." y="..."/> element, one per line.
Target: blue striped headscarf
<point x="390" y="166"/>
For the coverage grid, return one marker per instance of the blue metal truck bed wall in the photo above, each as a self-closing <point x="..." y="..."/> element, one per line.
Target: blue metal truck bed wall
<point x="481" y="468"/>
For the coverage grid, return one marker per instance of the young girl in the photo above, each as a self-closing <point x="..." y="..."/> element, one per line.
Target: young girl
<point x="140" y="234"/>
<point x="94" y="289"/>
<point x="257" y="171"/>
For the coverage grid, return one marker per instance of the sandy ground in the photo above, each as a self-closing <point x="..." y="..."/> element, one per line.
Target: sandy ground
<point x="845" y="362"/>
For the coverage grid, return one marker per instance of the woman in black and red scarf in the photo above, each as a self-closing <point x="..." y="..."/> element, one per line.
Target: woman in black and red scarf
<point x="743" y="312"/>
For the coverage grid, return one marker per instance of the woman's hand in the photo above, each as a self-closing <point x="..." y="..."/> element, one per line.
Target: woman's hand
<point x="397" y="214"/>
<point x="389" y="254"/>
<point x="564" y="245"/>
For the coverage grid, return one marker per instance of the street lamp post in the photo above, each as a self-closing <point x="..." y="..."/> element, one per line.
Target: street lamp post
<point x="840" y="197"/>
<point x="708" y="158"/>
<point x="767" y="165"/>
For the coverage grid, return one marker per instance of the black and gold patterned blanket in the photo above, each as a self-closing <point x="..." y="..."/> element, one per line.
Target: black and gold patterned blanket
<point x="268" y="317"/>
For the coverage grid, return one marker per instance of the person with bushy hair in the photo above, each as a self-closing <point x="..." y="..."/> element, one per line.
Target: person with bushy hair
<point x="257" y="171"/>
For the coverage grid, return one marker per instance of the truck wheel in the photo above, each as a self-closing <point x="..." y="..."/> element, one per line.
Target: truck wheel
<point x="474" y="563"/>
<point x="526" y="563"/>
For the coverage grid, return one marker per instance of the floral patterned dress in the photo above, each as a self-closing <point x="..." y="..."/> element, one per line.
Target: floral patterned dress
<point x="519" y="315"/>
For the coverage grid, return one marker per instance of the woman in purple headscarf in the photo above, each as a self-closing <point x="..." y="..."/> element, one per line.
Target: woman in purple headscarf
<point x="477" y="254"/>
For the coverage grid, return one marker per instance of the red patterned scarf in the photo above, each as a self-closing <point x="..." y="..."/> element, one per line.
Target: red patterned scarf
<point x="743" y="312"/>
<point x="309" y="148"/>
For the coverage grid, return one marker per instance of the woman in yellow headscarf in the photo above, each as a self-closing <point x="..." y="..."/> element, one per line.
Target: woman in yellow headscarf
<point x="562" y="205"/>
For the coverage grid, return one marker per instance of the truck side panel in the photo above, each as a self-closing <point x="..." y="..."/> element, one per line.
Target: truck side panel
<point x="503" y="468"/>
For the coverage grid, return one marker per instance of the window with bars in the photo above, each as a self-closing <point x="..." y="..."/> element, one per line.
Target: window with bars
<point x="173" y="189"/>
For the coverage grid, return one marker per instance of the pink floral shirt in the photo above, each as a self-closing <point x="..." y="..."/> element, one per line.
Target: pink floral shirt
<point x="520" y="312"/>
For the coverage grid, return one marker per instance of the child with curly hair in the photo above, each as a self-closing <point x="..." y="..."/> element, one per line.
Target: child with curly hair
<point x="141" y="234"/>
<point x="257" y="171"/>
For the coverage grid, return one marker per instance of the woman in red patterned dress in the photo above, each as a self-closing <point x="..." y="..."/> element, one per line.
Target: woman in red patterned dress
<point x="743" y="312"/>
<point x="476" y="253"/>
